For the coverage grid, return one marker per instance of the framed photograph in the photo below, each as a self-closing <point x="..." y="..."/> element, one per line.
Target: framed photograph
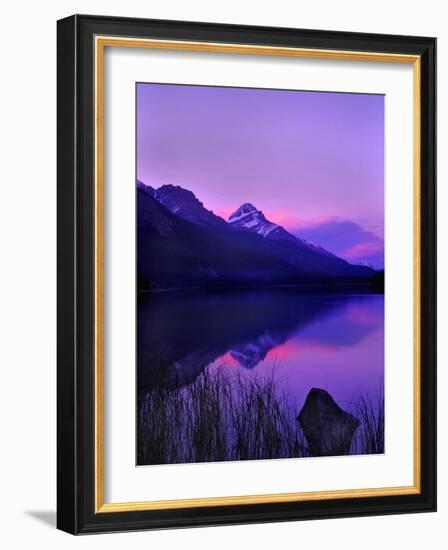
<point x="246" y="274"/>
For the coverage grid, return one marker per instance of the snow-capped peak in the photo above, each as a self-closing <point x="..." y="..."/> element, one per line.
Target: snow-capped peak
<point x="247" y="216"/>
<point x="244" y="210"/>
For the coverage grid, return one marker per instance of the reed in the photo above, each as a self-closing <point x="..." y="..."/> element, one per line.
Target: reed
<point x="369" y="438"/>
<point x="224" y="416"/>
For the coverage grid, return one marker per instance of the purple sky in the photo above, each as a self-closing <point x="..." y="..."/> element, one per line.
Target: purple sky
<point x="311" y="161"/>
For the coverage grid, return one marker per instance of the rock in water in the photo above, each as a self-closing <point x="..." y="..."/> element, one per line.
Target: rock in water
<point x="328" y="429"/>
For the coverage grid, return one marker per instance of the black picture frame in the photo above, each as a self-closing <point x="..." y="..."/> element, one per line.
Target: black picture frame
<point x="76" y="512"/>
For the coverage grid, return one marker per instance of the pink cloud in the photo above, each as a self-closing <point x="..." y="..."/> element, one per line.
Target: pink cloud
<point x="297" y="222"/>
<point x="362" y="250"/>
<point x="224" y="212"/>
<point x="280" y="217"/>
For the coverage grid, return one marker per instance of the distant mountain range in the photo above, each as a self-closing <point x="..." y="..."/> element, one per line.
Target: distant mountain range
<point x="182" y="244"/>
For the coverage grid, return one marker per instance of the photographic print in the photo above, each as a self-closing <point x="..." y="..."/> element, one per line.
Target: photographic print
<point x="260" y="273"/>
<point x="224" y="351"/>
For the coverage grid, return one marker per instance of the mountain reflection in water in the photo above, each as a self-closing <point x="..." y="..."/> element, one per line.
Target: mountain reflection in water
<point x="330" y="340"/>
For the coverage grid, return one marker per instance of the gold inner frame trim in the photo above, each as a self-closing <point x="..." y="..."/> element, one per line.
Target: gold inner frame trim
<point x="101" y="42"/>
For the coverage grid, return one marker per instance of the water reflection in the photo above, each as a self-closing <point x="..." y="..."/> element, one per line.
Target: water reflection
<point x="244" y="375"/>
<point x="329" y="340"/>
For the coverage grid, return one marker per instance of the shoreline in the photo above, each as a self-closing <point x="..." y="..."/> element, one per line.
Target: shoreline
<point x="311" y="286"/>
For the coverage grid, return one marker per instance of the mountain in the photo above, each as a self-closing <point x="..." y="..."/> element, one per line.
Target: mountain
<point x="182" y="244"/>
<point x="175" y="252"/>
<point x="184" y="203"/>
<point x="146" y="188"/>
<point x="250" y="218"/>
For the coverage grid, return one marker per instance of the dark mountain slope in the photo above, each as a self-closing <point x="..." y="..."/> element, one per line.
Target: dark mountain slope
<point x="173" y="251"/>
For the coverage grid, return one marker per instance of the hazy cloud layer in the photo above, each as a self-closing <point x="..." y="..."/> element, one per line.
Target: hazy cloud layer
<point x="346" y="239"/>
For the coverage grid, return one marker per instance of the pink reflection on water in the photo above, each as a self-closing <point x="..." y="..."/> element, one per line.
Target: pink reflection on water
<point x="343" y="354"/>
<point x="297" y="347"/>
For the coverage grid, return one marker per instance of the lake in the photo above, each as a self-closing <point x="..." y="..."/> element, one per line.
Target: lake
<point x="333" y="341"/>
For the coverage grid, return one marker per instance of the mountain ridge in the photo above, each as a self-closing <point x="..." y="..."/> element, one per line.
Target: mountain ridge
<point x="247" y="216"/>
<point x="181" y="243"/>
